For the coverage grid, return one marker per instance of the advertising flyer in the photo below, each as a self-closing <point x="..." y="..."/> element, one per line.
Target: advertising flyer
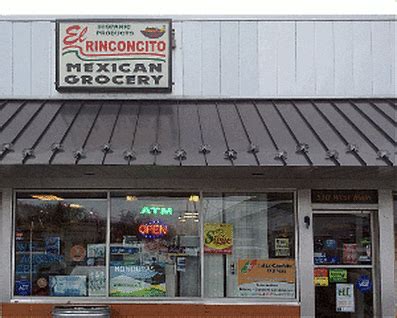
<point x="321" y="277"/>
<point x="74" y="285"/>
<point x="345" y="298"/>
<point x="53" y="245"/>
<point x="138" y="280"/>
<point x="264" y="289"/>
<point x="96" y="283"/>
<point x="338" y="275"/>
<point x="364" y="284"/>
<point x="78" y="253"/>
<point x="281" y="246"/>
<point x="266" y="278"/>
<point x="218" y="238"/>
<point x="350" y="254"/>
<point x="22" y="287"/>
<point x="96" y="250"/>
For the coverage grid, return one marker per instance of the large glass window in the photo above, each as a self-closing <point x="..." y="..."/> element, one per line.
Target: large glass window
<point x="155" y="245"/>
<point x="152" y="245"/>
<point x="249" y="242"/>
<point x="60" y="244"/>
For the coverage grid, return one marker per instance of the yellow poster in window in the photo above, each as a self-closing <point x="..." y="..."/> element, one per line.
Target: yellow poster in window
<point x="218" y="238"/>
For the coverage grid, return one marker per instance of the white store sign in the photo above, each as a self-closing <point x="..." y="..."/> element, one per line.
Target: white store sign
<point x="114" y="55"/>
<point x="345" y="298"/>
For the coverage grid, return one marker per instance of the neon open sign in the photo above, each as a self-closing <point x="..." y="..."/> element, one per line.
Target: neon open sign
<point x="156" y="210"/>
<point x="153" y="229"/>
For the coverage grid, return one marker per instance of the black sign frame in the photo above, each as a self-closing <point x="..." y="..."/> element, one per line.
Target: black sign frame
<point x="349" y="196"/>
<point x="71" y="89"/>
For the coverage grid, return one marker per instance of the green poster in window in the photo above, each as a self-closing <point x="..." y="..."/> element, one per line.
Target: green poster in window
<point x="338" y="275"/>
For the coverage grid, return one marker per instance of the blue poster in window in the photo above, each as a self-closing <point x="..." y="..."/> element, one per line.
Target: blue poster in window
<point x="330" y="244"/>
<point x="22" y="287"/>
<point x="364" y="284"/>
<point x="53" y="245"/>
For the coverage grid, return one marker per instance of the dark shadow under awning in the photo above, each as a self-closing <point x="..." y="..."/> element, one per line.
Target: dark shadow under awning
<point x="199" y="133"/>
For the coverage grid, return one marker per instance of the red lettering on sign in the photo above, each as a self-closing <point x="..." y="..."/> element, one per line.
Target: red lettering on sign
<point x="74" y="34"/>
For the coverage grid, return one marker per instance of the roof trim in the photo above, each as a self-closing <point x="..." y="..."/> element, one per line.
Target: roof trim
<point x="179" y="18"/>
<point x="253" y="133"/>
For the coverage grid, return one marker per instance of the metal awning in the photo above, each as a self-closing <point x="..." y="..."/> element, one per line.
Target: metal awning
<point x="199" y="133"/>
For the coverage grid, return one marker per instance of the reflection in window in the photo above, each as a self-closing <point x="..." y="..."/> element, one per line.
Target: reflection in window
<point x="249" y="245"/>
<point x="60" y="244"/>
<point x="154" y="246"/>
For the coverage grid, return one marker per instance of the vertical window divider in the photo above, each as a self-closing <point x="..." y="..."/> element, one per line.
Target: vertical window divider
<point x="107" y="263"/>
<point x="201" y="246"/>
<point x="296" y="228"/>
<point x="13" y="206"/>
<point x="224" y="257"/>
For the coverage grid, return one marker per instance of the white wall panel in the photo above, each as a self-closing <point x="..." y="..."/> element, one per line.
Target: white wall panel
<point x="362" y="58"/>
<point x="286" y="55"/>
<point x="382" y="50"/>
<point x="210" y="58"/>
<point x="229" y="58"/>
<point x="267" y="58"/>
<point x="248" y="59"/>
<point x="191" y="42"/>
<point x="41" y="54"/>
<point x="305" y="70"/>
<point x="177" y="60"/>
<point x="6" y="58"/>
<point x="343" y="37"/>
<point x="324" y="58"/>
<point x="393" y="32"/>
<point x="22" y="59"/>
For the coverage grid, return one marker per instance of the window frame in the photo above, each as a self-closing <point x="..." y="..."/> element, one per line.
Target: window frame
<point x="147" y="300"/>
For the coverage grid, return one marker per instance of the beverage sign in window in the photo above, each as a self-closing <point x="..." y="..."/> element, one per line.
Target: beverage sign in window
<point x="114" y="55"/>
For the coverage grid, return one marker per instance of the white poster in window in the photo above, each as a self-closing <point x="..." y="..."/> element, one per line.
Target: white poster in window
<point x="345" y="298"/>
<point x="268" y="289"/>
<point x="282" y="247"/>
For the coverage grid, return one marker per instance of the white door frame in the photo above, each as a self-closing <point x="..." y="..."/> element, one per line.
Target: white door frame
<point x="386" y="249"/>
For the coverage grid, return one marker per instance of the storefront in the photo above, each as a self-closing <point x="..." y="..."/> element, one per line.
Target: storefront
<point x="198" y="167"/>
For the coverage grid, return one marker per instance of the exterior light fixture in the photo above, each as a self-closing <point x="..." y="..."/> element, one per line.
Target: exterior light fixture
<point x="75" y="206"/>
<point x="194" y="198"/>
<point x="131" y="198"/>
<point x="47" y="197"/>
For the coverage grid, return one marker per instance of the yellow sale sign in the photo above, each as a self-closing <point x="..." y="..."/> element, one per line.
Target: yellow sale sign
<point x="218" y="238"/>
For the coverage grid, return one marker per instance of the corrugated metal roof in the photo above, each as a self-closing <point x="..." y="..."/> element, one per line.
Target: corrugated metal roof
<point x="199" y="133"/>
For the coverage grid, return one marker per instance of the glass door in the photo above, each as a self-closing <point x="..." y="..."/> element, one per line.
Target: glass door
<point x="344" y="264"/>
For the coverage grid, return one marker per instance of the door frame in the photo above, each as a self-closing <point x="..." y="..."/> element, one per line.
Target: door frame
<point x="373" y="213"/>
<point x="386" y="250"/>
